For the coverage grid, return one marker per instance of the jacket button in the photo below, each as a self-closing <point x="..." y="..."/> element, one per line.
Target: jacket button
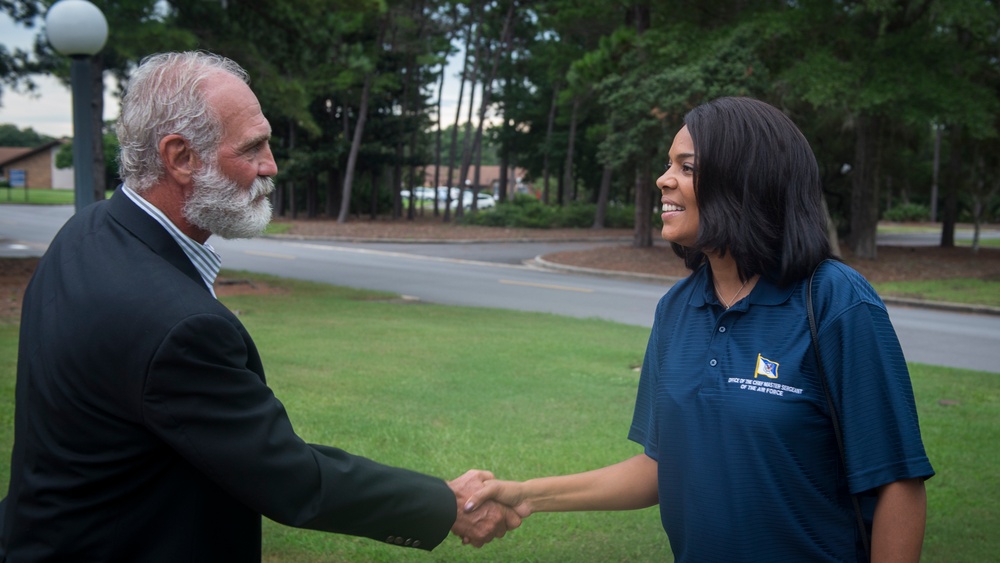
<point x="390" y="539"/>
<point x="416" y="543"/>
<point x="399" y="541"/>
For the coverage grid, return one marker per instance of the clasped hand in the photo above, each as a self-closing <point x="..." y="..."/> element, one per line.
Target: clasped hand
<point x="487" y="509"/>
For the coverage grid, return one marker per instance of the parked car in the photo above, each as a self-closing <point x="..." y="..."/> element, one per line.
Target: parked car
<point x="420" y="193"/>
<point x="483" y="201"/>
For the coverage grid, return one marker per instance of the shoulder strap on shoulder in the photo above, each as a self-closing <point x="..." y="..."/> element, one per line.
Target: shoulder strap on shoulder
<point x="835" y="421"/>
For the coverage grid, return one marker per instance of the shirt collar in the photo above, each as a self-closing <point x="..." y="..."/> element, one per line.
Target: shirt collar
<point x="203" y="257"/>
<point x="765" y="292"/>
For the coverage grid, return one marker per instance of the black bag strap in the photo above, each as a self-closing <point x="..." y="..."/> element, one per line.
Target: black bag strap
<point x="833" y="412"/>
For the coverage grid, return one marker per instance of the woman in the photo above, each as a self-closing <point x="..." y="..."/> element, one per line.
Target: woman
<point x="740" y="451"/>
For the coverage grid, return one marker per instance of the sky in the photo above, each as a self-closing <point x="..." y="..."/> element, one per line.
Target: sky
<point x="50" y="111"/>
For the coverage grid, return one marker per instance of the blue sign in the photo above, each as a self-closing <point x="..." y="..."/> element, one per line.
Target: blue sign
<point x="18" y="178"/>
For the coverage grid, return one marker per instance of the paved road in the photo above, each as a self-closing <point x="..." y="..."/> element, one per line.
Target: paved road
<point x="491" y="275"/>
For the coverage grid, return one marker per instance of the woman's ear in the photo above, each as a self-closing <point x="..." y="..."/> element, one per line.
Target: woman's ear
<point x="180" y="162"/>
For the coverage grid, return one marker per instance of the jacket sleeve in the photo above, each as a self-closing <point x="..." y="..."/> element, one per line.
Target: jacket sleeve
<point x="204" y="401"/>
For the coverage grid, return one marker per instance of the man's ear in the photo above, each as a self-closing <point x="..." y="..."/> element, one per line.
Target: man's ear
<point x="179" y="161"/>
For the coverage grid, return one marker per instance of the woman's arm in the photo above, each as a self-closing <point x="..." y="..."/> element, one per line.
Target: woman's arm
<point x="628" y="485"/>
<point x="900" y="516"/>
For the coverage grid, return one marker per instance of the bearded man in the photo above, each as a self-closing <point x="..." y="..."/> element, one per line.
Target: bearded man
<point x="144" y="428"/>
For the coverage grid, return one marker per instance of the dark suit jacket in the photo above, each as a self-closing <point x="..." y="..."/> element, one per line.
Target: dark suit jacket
<point x="145" y="431"/>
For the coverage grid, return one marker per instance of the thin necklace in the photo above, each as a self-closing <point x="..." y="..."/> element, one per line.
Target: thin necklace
<point x="733" y="298"/>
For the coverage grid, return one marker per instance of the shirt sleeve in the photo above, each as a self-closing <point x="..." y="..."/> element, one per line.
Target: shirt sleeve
<point x="871" y="390"/>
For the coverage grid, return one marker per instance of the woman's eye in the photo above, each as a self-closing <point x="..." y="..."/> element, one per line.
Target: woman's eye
<point x="688" y="169"/>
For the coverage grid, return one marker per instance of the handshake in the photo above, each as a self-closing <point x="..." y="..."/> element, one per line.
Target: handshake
<point x="487" y="508"/>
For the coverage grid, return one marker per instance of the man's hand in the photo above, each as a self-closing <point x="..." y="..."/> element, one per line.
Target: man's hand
<point x="489" y="520"/>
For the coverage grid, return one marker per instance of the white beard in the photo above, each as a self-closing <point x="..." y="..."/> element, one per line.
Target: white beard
<point x="220" y="206"/>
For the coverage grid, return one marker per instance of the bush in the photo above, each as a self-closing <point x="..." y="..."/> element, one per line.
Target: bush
<point x="907" y="212"/>
<point x="530" y="213"/>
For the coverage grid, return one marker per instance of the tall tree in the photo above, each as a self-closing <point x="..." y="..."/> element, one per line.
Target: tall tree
<point x="877" y="63"/>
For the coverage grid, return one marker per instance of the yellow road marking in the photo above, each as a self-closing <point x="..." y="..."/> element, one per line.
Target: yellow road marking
<point x="269" y="254"/>
<point x="547" y="286"/>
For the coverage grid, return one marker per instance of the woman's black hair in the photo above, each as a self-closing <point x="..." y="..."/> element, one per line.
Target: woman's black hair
<point x="758" y="191"/>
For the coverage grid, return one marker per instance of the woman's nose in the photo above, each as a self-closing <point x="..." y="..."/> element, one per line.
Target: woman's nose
<point x="664" y="182"/>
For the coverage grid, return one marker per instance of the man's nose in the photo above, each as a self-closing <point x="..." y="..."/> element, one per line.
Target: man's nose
<point x="268" y="167"/>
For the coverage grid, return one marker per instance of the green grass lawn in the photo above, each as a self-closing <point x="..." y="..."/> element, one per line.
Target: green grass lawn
<point x="39" y="196"/>
<point x="970" y="291"/>
<point x="444" y="389"/>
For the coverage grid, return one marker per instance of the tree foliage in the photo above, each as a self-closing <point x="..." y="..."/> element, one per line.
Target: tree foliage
<point x="13" y="136"/>
<point x="587" y="95"/>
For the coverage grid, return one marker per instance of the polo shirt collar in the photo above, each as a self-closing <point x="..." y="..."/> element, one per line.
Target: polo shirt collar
<point x="766" y="292"/>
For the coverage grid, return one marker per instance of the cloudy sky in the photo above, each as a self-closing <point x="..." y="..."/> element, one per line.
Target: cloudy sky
<point x="50" y="111"/>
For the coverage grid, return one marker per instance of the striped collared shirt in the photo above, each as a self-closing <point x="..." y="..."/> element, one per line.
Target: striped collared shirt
<point x="204" y="258"/>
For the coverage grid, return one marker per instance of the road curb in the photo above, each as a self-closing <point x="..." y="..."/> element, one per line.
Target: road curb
<point x="542" y="263"/>
<point x="442" y="241"/>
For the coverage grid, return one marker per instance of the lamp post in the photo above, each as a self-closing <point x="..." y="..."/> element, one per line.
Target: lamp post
<point x="77" y="29"/>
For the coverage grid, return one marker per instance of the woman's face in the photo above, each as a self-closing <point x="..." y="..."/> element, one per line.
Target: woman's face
<point x="679" y="210"/>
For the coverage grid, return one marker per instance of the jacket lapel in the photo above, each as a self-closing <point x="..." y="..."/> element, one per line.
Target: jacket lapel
<point x="151" y="234"/>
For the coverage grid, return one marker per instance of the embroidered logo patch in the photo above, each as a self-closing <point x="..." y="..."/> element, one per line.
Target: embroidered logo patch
<point x="766" y="367"/>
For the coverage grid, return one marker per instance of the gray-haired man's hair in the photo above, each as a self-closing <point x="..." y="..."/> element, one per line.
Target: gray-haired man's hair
<point x="165" y="96"/>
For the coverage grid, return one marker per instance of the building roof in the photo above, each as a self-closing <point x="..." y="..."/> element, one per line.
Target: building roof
<point x="9" y="155"/>
<point x="12" y="153"/>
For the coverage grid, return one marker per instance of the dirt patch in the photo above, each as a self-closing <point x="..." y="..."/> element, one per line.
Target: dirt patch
<point x="16" y="272"/>
<point x="14" y="276"/>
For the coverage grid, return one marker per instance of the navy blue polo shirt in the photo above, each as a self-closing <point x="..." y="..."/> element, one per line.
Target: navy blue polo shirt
<point x="730" y="406"/>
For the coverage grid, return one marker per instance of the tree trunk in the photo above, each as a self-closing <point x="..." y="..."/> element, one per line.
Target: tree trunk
<point x="600" y="217"/>
<point x="412" y="176"/>
<point x="292" y="205"/>
<point x="831" y="230"/>
<point x="487" y="89"/>
<point x="504" y="180"/>
<point x="643" y="237"/>
<point x="352" y="158"/>
<point x="332" y="181"/>
<point x="548" y="141"/>
<point x="397" y="179"/>
<point x="568" y="180"/>
<point x="951" y="188"/>
<point x="454" y="129"/>
<point x="437" y="142"/>
<point x="373" y="200"/>
<point x="864" y="187"/>
<point x="312" y="197"/>
<point x="467" y="149"/>
<point x="935" y="172"/>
